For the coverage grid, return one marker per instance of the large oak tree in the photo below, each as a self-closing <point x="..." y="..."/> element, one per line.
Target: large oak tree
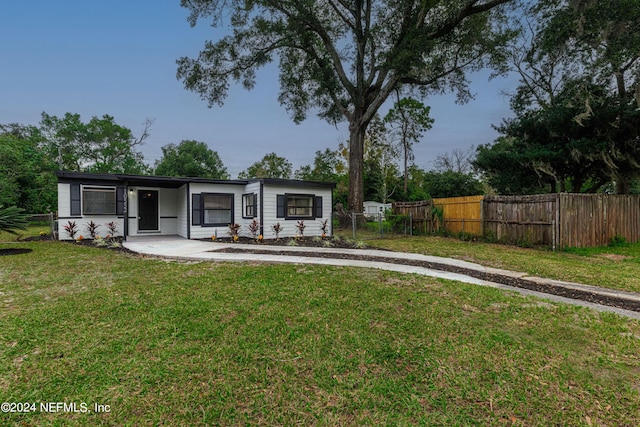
<point x="343" y="58"/>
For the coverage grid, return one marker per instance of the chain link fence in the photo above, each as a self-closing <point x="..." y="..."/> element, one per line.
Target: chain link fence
<point x="47" y="220"/>
<point x="361" y="226"/>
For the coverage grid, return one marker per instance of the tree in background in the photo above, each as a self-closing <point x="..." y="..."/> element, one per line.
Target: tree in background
<point x="456" y="160"/>
<point x="408" y="120"/>
<point x="101" y="145"/>
<point x="577" y="108"/>
<point x="110" y="148"/>
<point x="381" y="156"/>
<point x="27" y="175"/>
<point x="328" y="166"/>
<point x="271" y="166"/>
<point x="190" y="159"/>
<point x="344" y="59"/>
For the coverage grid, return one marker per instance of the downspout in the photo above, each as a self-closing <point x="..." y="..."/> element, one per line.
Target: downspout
<point x="331" y="214"/>
<point x="188" y="211"/>
<point x="126" y="209"/>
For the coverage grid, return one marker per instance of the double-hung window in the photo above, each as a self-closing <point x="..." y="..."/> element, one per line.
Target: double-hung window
<point x="249" y="205"/>
<point x="217" y="209"/>
<point x="299" y="206"/>
<point x="98" y="201"/>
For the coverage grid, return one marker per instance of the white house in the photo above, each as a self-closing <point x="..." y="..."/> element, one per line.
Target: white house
<point x="194" y="208"/>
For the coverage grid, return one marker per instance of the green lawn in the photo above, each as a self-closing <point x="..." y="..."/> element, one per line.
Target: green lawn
<point x="31" y="231"/>
<point x="169" y="343"/>
<point x="612" y="267"/>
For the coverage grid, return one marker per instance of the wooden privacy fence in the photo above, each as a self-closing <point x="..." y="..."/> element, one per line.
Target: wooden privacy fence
<point x="420" y="212"/>
<point x="461" y="214"/>
<point x="556" y="220"/>
<point x="521" y="219"/>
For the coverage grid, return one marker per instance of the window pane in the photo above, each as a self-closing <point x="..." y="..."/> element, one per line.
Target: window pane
<point x="299" y="206"/>
<point x="218" y="208"/>
<point x="98" y="201"/>
<point x="216" y="216"/>
<point x="217" y="201"/>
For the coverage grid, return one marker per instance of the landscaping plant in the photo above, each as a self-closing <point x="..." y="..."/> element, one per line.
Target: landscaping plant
<point x="71" y="228"/>
<point x="92" y="228"/>
<point x="301" y="226"/>
<point x="277" y="229"/>
<point x="12" y="218"/>
<point x="254" y="228"/>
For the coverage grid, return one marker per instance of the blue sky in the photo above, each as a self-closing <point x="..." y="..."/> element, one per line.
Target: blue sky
<point x="118" y="57"/>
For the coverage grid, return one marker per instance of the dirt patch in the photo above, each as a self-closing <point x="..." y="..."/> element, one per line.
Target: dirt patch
<point x="14" y="251"/>
<point x="516" y="282"/>
<point x="615" y="257"/>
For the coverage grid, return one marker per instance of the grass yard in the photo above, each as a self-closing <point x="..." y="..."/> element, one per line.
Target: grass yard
<point x="169" y="343"/>
<point x="31" y="231"/>
<point x="613" y="267"/>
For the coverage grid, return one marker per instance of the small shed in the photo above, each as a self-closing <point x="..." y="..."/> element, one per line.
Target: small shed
<point x="372" y="209"/>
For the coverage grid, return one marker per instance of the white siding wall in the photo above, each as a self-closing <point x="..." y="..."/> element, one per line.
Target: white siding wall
<point x="64" y="200"/>
<point x="64" y="215"/>
<point x="181" y="211"/>
<point x="200" y="232"/>
<point x="168" y="199"/>
<point x="288" y="225"/>
<point x="253" y="187"/>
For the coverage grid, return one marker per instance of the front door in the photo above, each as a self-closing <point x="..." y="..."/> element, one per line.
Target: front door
<point x="147" y="210"/>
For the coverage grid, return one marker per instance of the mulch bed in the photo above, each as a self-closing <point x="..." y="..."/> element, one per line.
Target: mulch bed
<point x="309" y="242"/>
<point x="14" y="251"/>
<point x="496" y="278"/>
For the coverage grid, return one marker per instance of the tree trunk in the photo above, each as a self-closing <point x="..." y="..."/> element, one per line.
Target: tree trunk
<point x="356" y="155"/>
<point x="406" y="177"/>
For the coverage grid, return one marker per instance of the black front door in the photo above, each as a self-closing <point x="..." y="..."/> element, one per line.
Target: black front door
<point x="147" y="210"/>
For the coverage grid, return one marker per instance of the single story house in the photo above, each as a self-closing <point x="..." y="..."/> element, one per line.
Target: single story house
<point x="372" y="209"/>
<point x="194" y="208"/>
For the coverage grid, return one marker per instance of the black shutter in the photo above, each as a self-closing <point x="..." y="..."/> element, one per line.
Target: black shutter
<point x="255" y="205"/>
<point x="318" y="207"/>
<point x="281" y="206"/>
<point x="120" y="195"/>
<point x="196" y="210"/>
<point x="75" y="200"/>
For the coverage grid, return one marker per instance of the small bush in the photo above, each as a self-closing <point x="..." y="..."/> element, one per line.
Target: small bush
<point x="71" y="228"/>
<point x="618" y="241"/>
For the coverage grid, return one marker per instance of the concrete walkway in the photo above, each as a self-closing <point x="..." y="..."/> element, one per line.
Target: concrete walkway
<point x="180" y="248"/>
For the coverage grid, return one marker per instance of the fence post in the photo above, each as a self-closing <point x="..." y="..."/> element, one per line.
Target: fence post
<point x="410" y="223"/>
<point x="381" y="228"/>
<point x="51" y="225"/>
<point x="353" y="224"/>
<point x="462" y="225"/>
<point x="482" y="216"/>
<point x="553" y="235"/>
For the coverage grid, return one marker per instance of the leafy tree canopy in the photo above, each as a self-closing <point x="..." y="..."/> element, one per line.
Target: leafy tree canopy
<point x="190" y="159"/>
<point x="343" y="59"/>
<point x="100" y="145"/>
<point x="271" y="166"/>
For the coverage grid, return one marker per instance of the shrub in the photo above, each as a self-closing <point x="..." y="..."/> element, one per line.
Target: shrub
<point x="617" y="240"/>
